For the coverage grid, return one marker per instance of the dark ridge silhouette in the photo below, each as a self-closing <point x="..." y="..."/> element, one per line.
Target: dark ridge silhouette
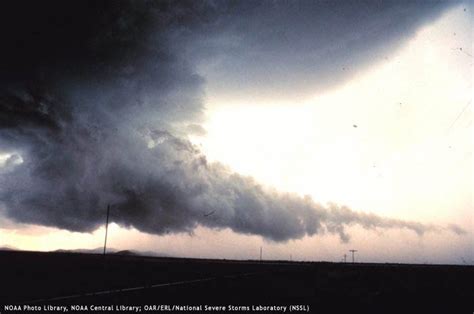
<point x="85" y="251"/>
<point x="126" y="252"/>
<point x="114" y="251"/>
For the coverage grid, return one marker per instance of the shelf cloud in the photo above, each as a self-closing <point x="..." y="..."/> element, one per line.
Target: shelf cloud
<point x="97" y="99"/>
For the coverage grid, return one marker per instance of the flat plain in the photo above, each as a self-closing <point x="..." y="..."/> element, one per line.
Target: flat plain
<point x="83" y="279"/>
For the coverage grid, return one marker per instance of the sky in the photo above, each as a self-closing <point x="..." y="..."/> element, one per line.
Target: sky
<point x="217" y="128"/>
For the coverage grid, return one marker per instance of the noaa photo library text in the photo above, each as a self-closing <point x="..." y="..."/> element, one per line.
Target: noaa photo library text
<point x="154" y="308"/>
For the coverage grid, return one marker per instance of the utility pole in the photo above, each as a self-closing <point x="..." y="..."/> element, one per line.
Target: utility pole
<point x="260" y="254"/>
<point x="352" y="251"/>
<point x="106" y="227"/>
<point x="345" y="255"/>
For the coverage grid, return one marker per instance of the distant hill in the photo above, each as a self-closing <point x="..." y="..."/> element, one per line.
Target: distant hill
<point x="140" y="253"/>
<point x="98" y="250"/>
<point x="113" y="251"/>
<point x="126" y="252"/>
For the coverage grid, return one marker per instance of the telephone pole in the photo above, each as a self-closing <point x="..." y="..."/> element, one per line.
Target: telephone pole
<point x="345" y="255"/>
<point x="352" y="251"/>
<point x="106" y="227"/>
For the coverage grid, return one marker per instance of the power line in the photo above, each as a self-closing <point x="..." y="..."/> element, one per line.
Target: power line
<point x="106" y="227"/>
<point x="353" y="251"/>
<point x="459" y="115"/>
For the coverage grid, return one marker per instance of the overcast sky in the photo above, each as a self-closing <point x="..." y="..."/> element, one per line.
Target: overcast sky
<point x="214" y="128"/>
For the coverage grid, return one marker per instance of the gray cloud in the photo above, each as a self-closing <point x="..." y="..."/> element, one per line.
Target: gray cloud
<point x="288" y="50"/>
<point x="97" y="100"/>
<point x="456" y="229"/>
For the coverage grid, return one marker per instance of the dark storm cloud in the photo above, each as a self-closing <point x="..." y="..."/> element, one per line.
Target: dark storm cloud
<point x="97" y="98"/>
<point x="291" y="49"/>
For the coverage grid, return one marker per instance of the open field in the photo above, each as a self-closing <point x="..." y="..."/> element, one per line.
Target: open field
<point x="81" y="279"/>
